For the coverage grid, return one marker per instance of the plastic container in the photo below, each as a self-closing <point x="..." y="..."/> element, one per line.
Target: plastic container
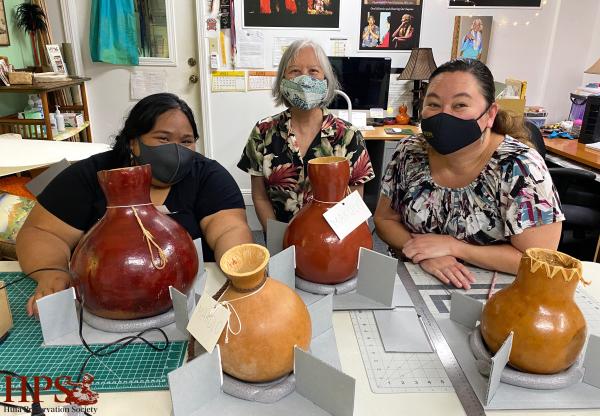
<point x="576" y="129"/>
<point x="53" y="123"/>
<point x="60" y="121"/>
<point x="577" y="106"/>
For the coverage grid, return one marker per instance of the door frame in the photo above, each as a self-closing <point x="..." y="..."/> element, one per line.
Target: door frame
<point x="71" y="24"/>
<point x="204" y="72"/>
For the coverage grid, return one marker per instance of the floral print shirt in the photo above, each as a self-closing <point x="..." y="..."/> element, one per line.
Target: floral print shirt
<point x="514" y="191"/>
<point x="272" y="152"/>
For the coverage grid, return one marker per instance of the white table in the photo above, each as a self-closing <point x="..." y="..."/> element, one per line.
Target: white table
<point x="18" y="155"/>
<point x="158" y="403"/>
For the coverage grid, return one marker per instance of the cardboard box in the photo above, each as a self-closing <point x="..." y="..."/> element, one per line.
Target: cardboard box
<point x="73" y="119"/>
<point x="20" y="78"/>
<point x="514" y="105"/>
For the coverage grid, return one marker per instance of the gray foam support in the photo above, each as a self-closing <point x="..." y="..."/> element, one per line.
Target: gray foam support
<point x="572" y="375"/>
<point x="270" y="392"/>
<point x="132" y="325"/>
<point x="323" y="289"/>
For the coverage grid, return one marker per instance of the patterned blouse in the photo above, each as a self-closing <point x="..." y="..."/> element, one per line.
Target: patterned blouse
<point x="272" y="152"/>
<point x="513" y="192"/>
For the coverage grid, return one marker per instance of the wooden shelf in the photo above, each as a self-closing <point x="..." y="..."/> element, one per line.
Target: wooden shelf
<point x="33" y="128"/>
<point x="70" y="132"/>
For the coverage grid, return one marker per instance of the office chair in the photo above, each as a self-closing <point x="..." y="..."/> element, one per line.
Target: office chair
<point x="579" y="194"/>
<point x="535" y="134"/>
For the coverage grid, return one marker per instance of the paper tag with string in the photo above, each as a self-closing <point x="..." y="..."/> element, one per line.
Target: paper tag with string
<point x="208" y="321"/>
<point x="345" y="216"/>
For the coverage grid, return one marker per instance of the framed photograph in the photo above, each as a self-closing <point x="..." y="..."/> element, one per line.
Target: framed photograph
<point x="495" y="3"/>
<point x="389" y="25"/>
<point x="56" y="59"/>
<point x="471" y="37"/>
<point x="4" y="39"/>
<point x="4" y="68"/>
<point x="393" y="2"/>
<point x="316" y="14"/>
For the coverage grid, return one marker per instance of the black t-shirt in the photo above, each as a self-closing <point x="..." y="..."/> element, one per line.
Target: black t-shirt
<point x="76" y="198"/>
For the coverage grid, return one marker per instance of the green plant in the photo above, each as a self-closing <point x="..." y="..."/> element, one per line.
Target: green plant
<point x="31" y="19"/>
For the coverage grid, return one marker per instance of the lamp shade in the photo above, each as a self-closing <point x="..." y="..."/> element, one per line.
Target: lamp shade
<point x="420" y="65"/>
<point x="594" y="69"/>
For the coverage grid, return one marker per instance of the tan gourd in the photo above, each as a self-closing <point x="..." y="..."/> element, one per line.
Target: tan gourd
<point x="259" y="346"/>
<point x="539" y="306"/>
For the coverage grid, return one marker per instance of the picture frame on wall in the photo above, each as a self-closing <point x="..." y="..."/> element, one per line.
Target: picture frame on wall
<point x="290" y="14"/>
<point x="4" y="38"/>
<point x="471" y="37"/>
<point x="389" y="25"/>
<point x="536" y="4"/>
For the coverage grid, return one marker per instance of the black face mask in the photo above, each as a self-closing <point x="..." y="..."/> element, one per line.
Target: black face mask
<point x="170" y="163"/>
<point x="447" y="134"/>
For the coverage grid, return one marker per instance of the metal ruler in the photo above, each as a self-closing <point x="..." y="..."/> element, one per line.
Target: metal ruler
<point x="462" y="387"/>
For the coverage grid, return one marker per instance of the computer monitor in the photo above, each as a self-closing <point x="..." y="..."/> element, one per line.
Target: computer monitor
<point x="365" y="80"/>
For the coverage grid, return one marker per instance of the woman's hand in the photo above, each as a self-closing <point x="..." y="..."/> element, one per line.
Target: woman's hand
<point x="45" y="287"/>
<point x="448" y="270"/>
<point x="428" y="246"/>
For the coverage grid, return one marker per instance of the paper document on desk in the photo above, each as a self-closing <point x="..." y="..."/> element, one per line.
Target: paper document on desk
<point x="593" y="146"/>
<point x="359" y="119"/>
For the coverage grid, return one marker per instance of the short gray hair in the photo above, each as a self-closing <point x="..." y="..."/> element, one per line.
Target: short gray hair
<point x="289" y="55"/>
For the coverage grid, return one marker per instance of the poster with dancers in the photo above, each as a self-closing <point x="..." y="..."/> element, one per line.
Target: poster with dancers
<point x="390" y="24"/>
<point x="321" y="14"/>
<point x="496" y="3"/>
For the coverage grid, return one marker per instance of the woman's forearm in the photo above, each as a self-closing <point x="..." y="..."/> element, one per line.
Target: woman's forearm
<point x="392" y="232"/>
<point x="37" y="249"/>
<point x="502" y="257"/>
<point x="232" y="236"/>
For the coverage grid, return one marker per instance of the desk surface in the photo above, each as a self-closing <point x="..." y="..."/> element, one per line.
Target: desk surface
<point x="378" y="133"/>
<point x="158" y="403"/>
<point x="572" y="149"/>
<point x="19" y="155"/>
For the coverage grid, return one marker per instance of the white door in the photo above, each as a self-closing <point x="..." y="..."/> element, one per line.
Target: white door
<point x="109" y="88"/>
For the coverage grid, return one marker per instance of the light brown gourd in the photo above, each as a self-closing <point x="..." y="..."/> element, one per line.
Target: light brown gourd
<point x="267" y="318"/>
<point x="539" y="306"/>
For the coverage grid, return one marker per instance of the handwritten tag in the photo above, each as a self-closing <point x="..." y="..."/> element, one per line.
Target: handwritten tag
<point x="208" y="321"/>
<point x="347" y="214"/>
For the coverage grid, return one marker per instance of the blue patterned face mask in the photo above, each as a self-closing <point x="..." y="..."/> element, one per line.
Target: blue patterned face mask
<point x="304" y="92"/>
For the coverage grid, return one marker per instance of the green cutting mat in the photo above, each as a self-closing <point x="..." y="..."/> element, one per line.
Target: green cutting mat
<point x="136" y="367"/>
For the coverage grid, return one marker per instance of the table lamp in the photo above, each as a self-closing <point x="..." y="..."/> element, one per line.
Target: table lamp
<point x="419" y="67"/>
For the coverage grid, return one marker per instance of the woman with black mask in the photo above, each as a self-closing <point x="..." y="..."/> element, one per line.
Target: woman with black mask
<point x="469" y="188"/>
<point x="195" y="191"/>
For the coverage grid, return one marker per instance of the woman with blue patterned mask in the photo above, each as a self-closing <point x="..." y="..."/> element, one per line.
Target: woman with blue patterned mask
<point x="277" y="152"/>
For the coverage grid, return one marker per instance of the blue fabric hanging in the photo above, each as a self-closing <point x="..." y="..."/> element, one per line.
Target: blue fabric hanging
<point x="113" y="32"/>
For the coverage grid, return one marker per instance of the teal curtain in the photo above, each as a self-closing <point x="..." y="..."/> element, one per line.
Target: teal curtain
<point x="113" y="32"/>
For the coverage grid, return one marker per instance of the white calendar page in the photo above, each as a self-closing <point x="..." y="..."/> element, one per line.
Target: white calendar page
<point x="228" y="81"/>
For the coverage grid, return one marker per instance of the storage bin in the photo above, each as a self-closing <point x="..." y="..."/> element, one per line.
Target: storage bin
<point x="577" y="106"/>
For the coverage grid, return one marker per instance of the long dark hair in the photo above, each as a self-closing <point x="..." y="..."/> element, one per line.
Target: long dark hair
<point x="504" y="123"/>
<point x="141" y="120"/>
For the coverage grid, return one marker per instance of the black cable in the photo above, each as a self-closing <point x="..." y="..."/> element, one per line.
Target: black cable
<point x="43" y="269"/>
<point x="119" y="344"/>
<point x="12" y="282"/>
